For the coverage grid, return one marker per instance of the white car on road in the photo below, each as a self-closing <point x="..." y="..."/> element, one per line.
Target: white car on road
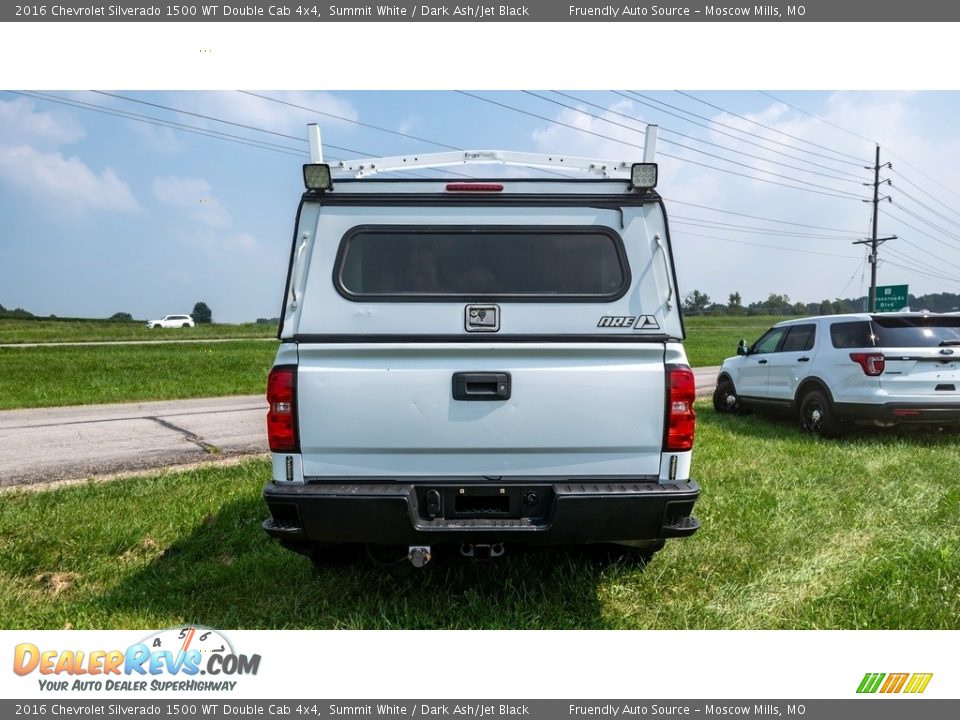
<point x="171" y="321"/>
<point x="877" y="369"/>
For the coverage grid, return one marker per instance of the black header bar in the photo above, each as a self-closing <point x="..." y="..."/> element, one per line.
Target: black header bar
<point x="503" y="11"/>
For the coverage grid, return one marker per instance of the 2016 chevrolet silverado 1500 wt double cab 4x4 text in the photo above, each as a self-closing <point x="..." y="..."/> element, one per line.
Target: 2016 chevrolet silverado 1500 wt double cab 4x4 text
<point x="480" y="362"/>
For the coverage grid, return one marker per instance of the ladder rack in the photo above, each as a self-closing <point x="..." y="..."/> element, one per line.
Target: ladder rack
<point x="365" y="167"/>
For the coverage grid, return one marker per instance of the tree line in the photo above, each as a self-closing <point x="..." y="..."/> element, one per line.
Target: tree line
<point x="202" y="314"/>
<point x="698" y="303"/>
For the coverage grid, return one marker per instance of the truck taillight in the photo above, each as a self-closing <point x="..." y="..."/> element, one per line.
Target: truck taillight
<point x="282" y="415"/>
<point x="681" y="418"/>
<point x="872" y="363"/>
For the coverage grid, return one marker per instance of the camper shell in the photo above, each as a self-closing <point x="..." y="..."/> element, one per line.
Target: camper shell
<point x="480" y="361"/>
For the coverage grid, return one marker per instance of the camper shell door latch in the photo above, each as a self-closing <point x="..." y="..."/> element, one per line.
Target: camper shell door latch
<point x="482" y="318"/>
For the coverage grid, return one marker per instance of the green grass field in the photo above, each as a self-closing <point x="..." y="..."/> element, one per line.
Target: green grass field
<point x="52" y="376"/>
<point x="80" y="375"/>
<point x="712" y="339"/>
<point x="796" y="533"/>
<point x="43" y="331"/>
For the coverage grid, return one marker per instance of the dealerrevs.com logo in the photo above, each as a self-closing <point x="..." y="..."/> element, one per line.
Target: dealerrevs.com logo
<point x="910" y="683"/>
<point x="179" y="659"/>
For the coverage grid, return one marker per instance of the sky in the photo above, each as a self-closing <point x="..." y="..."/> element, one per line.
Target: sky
<point x="194" y="198"/>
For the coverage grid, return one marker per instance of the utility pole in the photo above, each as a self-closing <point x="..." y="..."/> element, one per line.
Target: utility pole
<point x="875" y="241"/>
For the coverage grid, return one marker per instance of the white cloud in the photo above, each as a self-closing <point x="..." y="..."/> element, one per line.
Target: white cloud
<point x="719" y="266"/>
<point x="408" y="124"/>
<point x="67" y="179"/>
<point x="194" y="195"/>
<point x="160" y="139"/>
<point x="22" y="124"/>
<point x="244" y="241"/>
<point x="583" y="135"/>
<point x="257" y="112"/>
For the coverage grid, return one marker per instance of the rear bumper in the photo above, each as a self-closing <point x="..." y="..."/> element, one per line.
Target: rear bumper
<point x="896" y="412"/>
<point x="556" y="513"/>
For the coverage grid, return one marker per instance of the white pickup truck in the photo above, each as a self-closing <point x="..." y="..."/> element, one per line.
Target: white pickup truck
<point x="480" y="362"/>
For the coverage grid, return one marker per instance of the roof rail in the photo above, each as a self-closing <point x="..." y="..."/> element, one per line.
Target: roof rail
<point x="364" y="167"/>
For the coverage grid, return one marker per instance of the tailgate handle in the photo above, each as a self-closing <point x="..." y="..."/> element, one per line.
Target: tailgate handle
<point x="481" y="386"/>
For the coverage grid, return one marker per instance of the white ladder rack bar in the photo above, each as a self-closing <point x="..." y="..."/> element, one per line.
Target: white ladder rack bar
<point x="364" y="167"/>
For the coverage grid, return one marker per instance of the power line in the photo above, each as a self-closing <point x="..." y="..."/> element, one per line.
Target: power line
<point x="922" y="190"/>
<point x="919" y="171"/>
<point x="349" y="120"/>
<point x="766" y="127"/>
<point x="208" y="132"/>
<point x="197" y="115"/>
<point x="927" y="253"/>
<point x="916" y="229"/>
<point x="381" y="129"/>
<point x="689" y="137"/>
<point x="842" y="194"/>
<point x="193" y="129"/>
<point x="926" y="222"/>
<point x="927" y="207"/>
<point x="646" y="100"/>
<point x="759" y="217"/>
<point x="817" y="117"/>
<point x="921" y="272"/>
<point x="768" y="247"/>
<point x="699" y="222"/>
<point x="889" y="151"/>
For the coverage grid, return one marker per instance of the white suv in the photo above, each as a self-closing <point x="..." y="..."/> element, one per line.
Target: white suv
<point x="171" y="321"/>
<point x="834" y="370"/>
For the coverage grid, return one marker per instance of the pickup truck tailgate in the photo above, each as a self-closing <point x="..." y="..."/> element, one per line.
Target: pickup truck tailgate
<point x="584" y="410"/>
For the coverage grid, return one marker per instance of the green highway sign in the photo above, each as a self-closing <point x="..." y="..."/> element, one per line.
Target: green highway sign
<point x="891" y="298"/>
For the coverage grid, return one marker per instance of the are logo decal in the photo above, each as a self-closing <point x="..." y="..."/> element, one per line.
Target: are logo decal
<point x="641" y="322"/>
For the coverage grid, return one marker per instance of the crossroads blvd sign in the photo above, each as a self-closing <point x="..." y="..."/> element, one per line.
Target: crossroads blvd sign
<point x="891" y="298"/>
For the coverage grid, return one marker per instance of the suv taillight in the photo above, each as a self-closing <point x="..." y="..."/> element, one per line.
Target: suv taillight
<point x="681" y="419"/>
<point x="872" y="363"/>
<point x="282" y="415"/>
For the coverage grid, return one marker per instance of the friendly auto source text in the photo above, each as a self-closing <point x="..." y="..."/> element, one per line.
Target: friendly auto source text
<point x="706" y="11"/>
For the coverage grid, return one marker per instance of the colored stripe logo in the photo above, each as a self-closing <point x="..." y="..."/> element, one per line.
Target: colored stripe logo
<point x="913" y="683"/>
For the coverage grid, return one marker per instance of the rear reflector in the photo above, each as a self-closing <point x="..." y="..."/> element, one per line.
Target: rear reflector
<point x="872" y="363"/>
<point x="474" y="187"/>
<point x="681" y="418"/>
<point x="282" y="414"/>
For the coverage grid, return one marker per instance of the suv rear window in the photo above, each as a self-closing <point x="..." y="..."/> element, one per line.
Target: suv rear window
<point x="481" y="261"/>
<point x="856" y="334"/>
<point x="900" y="332"/>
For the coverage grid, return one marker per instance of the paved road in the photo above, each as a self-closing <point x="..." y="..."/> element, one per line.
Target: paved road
<point x="706" y="380"/>
<point x="88" y="343"/>
<point x="50" y="444"/>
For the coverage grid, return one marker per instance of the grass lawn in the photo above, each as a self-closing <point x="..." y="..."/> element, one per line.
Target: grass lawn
<point x="712" y="339"/>
<point x="39" y="331"/>
<point x="51" y="376"/>
<point x="796" y="533"/>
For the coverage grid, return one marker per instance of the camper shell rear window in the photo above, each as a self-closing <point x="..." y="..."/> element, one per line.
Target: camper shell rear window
<point x="480" y="262"/>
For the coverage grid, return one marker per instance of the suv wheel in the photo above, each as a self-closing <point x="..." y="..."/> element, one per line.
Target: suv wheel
<point x="725" y="399"/>
<point x="817" y="417"/>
